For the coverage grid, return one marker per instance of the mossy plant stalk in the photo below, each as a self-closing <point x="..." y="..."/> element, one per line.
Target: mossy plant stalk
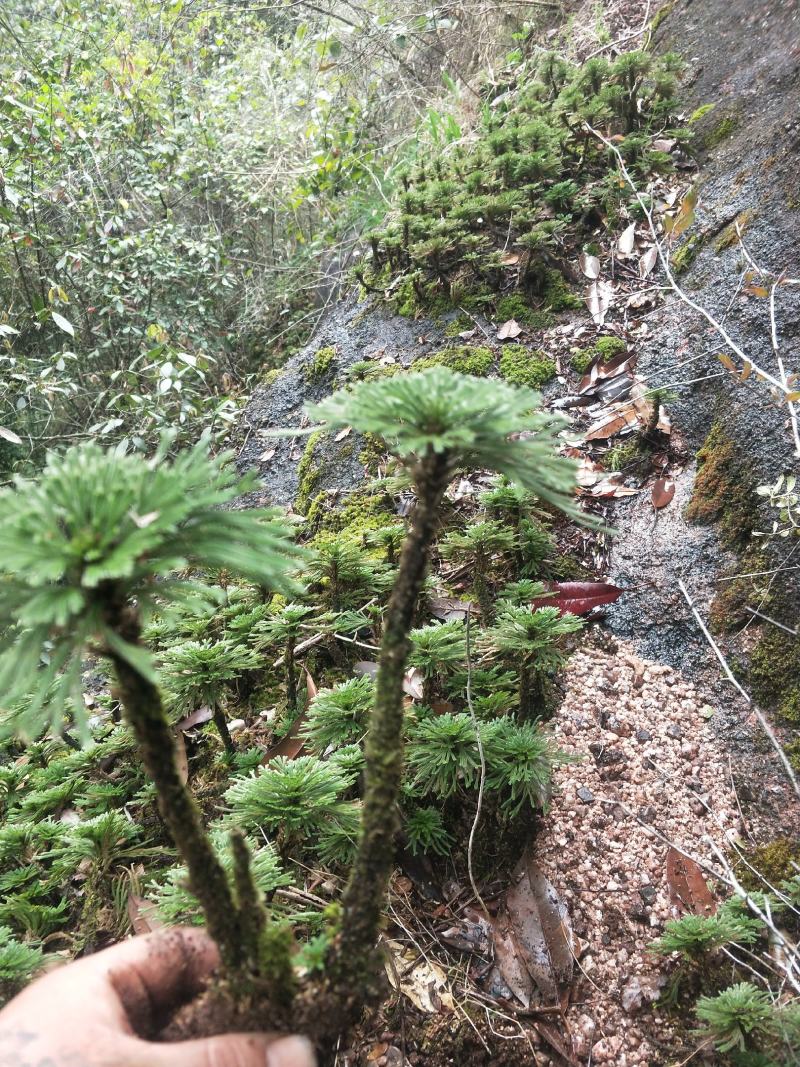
<point x="144" y="712"/>
<point x="222" y="728"/>
<point x="290" y="675"/>
<point x="355" y="964"/>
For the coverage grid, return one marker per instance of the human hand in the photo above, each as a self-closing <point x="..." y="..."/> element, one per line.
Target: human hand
<point x="98" y="1011"/>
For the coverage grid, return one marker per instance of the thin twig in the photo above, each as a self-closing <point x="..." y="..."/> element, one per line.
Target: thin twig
<point x="765" y="726"/>
<point x="781" y="368"/>
<point x="476" y="727"/>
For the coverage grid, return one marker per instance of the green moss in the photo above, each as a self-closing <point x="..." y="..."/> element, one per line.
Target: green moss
<point x="724" y="492"/>
<point x="526" y="366"/>
<point x="727" y="611"/>
<point x="774" y="862"/>
<point x="373" y="452"/>
<point x="623" y="455"/>
<point x="361" y="511"/>
<point x="465" y="359"/>
<point x="516" y="307"/>
<point x="308" y="474"/>
<point x="608" y="348"/>
<point x="458" y="325"/>
<point x="792" y="750"/>
<point x="724" y="128"/>
<point x="582" y="360"/>
<point x="789" y="709"/>
<point x="699" y="112"/>
<point x="270" y="376"/>
<point x="729" y="236"/>
<point x="775" y="669"/>
<point x="322" y="362"/>
<point x="683" y="257"/>
<point x="557" y="294"/>
<point x="661" y="14"/>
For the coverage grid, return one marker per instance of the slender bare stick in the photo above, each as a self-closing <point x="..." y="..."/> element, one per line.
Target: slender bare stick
<point x="781" y="368"/>
<point x="482" y="755"/>
<point x="765" y="726"/>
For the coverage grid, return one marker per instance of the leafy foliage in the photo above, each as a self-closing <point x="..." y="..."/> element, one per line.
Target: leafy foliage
<point x="98" y="521"/>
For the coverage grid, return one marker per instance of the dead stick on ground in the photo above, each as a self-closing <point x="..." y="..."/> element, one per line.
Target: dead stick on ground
<point x="765" y="726"/>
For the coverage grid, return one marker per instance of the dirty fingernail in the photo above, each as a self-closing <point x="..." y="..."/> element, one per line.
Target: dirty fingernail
<point x="291" y="1052"/>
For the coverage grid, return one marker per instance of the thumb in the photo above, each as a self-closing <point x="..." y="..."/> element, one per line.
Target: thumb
<point x="234" y="1050"/>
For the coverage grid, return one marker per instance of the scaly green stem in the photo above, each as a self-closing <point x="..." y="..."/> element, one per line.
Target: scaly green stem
<point x="355" y="964"/>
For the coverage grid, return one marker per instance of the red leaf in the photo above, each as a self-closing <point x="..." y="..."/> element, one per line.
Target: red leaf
<point x="687" y="886"/>
<point x="578" y="597"/>
<point x="663" y="492"/>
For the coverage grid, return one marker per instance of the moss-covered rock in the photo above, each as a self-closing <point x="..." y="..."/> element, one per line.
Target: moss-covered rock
<point x="724" y="491"/>
<point x="608" y="348"/>
<point x="682" y="258"/>
<point x="526" y="366"/>
<point x="774" y="862"/>
<point x="581" y="360"/>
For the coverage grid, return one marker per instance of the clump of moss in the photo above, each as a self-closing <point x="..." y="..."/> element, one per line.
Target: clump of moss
<point x="457" y="325"/>
<point x="730" y="235"/>
<point x="465" y="359"/>
<point x="682" y="258"/>
<point x="623" y="455"/>
<point x="557" y="295"/>
<point x="774" y="670"/>
<point x="699" y="112"/>
<point x="608" y="348"/>
<point x="526" y="366"/>
<point x="367" y="370"/>
<point x="324" y="359"/>
<point x="792" y="750"/>
<point x="308" y="474"/>
<point x="582" y="360"/>
<point x="727" y="611"/>
<point x="724" y="491"/>
<point x="721" y="131"/>
<point x="661" y="14"/>
<point x="372" y="453"/>
<point x="270" y="376"/>
<point x="774" y="862"/>
<point x="362" y="511"/>
<point x="516" y="307"/>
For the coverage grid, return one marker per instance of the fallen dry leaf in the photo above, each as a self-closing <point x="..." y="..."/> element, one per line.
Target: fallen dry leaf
<point x="423" y="982"/>
<point x="687" y="886"/>
<point x="509" y="330"/>
<point x="612" y="423"/>
<point x="533" y="940"/>
<point x="143" y="915"/>
<point x="412" y="683"/>
<point x="590" y="265"/>
<point x="343" y="433"/>
<point x="663" y="492"/>
<point x="197" y="718"/>
<point x="626" y="240"/>
<point x="648" y="261"/>
<point x="599" y="297"/>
